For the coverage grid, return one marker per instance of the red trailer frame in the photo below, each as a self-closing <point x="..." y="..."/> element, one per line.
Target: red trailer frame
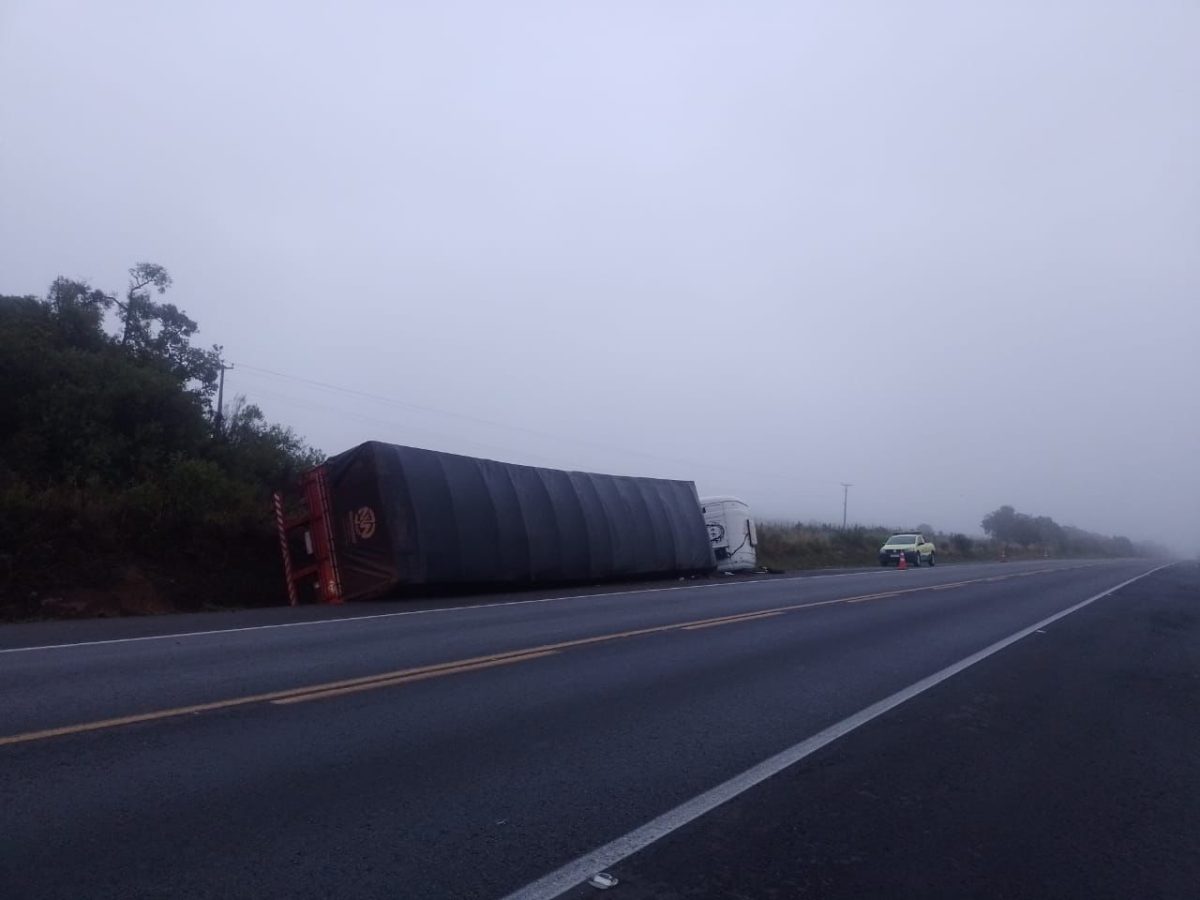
<point x="316" y="521"/>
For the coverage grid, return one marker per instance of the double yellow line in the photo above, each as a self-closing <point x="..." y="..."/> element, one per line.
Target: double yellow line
<point x="330" y="689"/>
<point x="292" y="695"/>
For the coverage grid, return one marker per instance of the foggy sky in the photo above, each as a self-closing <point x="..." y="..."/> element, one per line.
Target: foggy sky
<point x="948" y="252"/>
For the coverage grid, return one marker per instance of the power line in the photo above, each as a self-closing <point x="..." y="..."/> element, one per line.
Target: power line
<point x="404" y="404"/>
<point x="313" y="406"/>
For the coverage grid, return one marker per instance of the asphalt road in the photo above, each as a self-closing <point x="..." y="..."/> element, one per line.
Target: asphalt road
<point x="1064" y="766"/>
<point x="468" y="752"/>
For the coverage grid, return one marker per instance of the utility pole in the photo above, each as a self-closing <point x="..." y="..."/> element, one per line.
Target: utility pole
<point x="219" y="418"/>
<point x="845" y="501"/>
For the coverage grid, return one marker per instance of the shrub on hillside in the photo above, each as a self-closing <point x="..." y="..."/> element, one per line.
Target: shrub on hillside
<point x="112" y="458"/>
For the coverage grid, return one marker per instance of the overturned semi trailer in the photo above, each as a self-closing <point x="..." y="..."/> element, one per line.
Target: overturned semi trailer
<point x="381" y="516"/>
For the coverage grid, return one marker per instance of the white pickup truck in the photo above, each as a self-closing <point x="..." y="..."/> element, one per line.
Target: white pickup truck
<point x="913" y="547"/>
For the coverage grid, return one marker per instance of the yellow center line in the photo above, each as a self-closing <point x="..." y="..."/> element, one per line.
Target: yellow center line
<point x="733" y="621"/>
<point x="454" y="667"/>
<point x="408" y="679"/>
<point x="880" y="596"/>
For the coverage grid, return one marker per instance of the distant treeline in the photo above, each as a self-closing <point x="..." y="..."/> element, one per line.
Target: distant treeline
<point x="1014" y="528"/>
<point x="1011" y="534"/>
<point x="121" y="488"/>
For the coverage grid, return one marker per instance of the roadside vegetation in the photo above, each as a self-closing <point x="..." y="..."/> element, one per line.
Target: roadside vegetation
<point x="1008" y="533"/>
<point x="125" y="490"/>
<point x="121" y="488"/>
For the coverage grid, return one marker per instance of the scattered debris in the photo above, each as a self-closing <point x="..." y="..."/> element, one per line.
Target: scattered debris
<point x="603" y="881"/>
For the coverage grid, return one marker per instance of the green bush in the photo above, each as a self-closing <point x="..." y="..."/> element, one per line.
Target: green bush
<point x="113" y="468"/>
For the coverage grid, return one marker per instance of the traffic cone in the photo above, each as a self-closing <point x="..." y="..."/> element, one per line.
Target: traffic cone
<point x="903" y="561"/>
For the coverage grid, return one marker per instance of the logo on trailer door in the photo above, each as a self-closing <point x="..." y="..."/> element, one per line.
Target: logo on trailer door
<point x="364" y="522"/>
<point x="716" y="532"/>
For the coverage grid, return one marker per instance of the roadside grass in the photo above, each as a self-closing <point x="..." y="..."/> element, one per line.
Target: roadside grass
<point x="783" y="545"/>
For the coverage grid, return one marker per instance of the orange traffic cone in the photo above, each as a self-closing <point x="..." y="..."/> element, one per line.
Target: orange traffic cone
<point x="903" y="561"/>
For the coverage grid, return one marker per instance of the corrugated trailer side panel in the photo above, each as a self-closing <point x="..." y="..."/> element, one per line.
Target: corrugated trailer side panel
<point x="477" y="549"/>
<point x="597" y="526"/>
<point x="616" y="514"/>
<point x="540" y="523"/>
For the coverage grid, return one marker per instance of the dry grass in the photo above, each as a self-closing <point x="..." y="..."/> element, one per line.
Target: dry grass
<point x="783" y="545"/>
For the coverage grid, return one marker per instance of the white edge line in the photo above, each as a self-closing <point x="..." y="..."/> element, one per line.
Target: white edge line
<point x="580" y="870"/>
<point x="447" y="609"/>
<point x="418" y="612"/>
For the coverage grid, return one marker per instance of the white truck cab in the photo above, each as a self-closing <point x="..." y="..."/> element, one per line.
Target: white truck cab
<point x="731" y="530"/>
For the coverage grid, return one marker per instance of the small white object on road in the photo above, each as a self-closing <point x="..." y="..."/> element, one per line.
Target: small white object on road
<point x="603" y="881"/>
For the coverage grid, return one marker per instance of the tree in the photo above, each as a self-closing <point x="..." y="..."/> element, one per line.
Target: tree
<point x="138" y="309"/>
<point x="1007" y="525"/>
<point x="108" y="457"/>
<point x="75" y="407"/>
<point x="161" y="333"/>
<point x="1123" y="546"/>
<point x="1001" y="523"/>
<point x="1048" y="533"/>
<point x="79" y="312"/>
<point x="257" y="450"/>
